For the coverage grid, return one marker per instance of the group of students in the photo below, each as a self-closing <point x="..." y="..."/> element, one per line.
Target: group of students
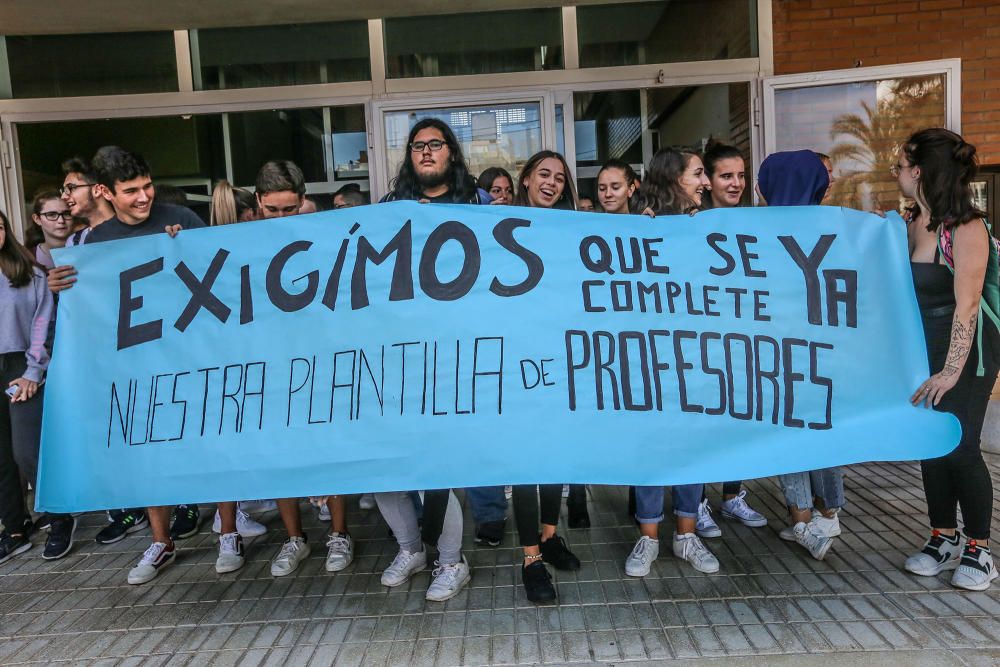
<point x="113" y="197"/>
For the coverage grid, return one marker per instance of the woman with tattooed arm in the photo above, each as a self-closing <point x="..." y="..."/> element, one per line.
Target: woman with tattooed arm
<point x="949" y="255"/>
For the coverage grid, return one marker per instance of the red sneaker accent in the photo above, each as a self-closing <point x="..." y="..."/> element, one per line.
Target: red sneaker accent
<point x="935" y="533"/>
<point x="972" y="546"/>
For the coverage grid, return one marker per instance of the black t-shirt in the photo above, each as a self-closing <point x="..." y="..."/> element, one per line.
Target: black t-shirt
<point x="160" y="216"/>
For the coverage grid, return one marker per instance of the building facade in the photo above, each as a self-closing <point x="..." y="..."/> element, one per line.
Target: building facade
<point x="212" y="90"/>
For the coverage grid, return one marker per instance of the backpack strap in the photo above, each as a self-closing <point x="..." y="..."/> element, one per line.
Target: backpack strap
<point x="944" y="246"/>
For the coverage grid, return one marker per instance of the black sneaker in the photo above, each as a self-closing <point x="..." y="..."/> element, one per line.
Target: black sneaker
<point x="186" y="521"/>
<point x="44" y="521"/>
<point x="60" y="539"/>
<point x="557" y="554"/>
<point x="490" y="532"/>
<point x="537" y="583"/>
<point x="122" y="523"/>
<point x="12" y="545"/>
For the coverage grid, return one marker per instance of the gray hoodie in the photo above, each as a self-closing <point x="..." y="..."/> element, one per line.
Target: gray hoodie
<point x="25" y="313"/>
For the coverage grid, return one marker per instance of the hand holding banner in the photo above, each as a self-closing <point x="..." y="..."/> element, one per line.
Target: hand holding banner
<point x="407" y="346"/>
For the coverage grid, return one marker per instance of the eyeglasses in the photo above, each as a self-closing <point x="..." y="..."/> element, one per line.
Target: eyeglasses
<point x="69" y="187"/>
<point x="897" y="168"/>
<point x="434" y="144"/>
<point x="52" y="216"/>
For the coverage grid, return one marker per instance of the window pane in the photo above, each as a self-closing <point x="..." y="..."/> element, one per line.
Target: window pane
<point x="503" y="135"/>
<point x="96" y="64"/>
<point x="287" y="134"/>
<point x="609" y="124"/>
<point x="350" y="143"/>
<point x="187" y="152"/>
<point x="861" y="127"/>
<point x="481" y="43"/>
<point x="283" y="55"/>
<point x="666" y="32"/>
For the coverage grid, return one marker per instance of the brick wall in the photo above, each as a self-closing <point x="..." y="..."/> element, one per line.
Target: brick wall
<point x="815" y="35"/>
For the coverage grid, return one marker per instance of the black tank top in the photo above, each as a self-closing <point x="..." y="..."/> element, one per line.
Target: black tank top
<point x="935" y="288"/>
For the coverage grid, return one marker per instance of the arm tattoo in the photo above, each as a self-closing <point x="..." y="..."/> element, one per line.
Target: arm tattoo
<point x="962" y="334"/>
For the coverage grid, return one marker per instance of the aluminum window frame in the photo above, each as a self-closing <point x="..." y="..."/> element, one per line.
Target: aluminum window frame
<point x="378" y="94"/>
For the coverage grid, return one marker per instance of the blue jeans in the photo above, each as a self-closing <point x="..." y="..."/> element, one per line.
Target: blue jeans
<point x="801" y="487"/>
<point x="649" y="502"/>
<point x="488" y="503"/>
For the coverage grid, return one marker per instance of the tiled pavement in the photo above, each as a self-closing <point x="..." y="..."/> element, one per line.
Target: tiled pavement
<point x="770" y="604"/>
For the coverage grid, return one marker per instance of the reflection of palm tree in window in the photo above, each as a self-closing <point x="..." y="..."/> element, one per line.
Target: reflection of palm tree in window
<point x="870" y="141"/>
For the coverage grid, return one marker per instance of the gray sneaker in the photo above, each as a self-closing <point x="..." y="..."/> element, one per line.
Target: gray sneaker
<point x="291" y="555"/>
<point x="689" y="547"/>
<point x="819" y="524"/>
<point x="404" y="566"/>
<point x="814" y="542"/>
<point x="340" y="552"/>
<point x="448" y="580"/>
<point x="706" y="526"/>
<point x="976" y="571"/>
<point x="641" y="559"/>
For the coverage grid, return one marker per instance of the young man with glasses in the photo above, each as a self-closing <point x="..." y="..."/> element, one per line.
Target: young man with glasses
<point x="78" y="191"/>
<point x="434" y="171"/>
<point x="124" y="182"/>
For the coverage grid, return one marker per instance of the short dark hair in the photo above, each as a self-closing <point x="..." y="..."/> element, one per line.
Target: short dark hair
<point x="171" y="194"/>
<point x="353" y="197"/>
<point x="77" y="165"/>
<point x="113" y="164"/>
<point x="280" y="176"/>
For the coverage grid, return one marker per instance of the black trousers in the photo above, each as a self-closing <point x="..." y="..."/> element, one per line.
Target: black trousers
<point x="534" y="504"/>
<point x="960" y="478"/>
<point x="20" y="435"/>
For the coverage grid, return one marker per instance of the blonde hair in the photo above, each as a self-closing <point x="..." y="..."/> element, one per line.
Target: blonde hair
<point x="229" y="204"/>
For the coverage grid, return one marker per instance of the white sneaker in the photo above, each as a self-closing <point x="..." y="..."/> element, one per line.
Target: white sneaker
<point x="323" y="512"/>
<point x="258" y="505"/>
<point x="245" y="524"/>
<point x="403" y="566"/>
<point x="706" y="526"/>
<point x="230" y="553"/>
<point x="819" y="524"/>
<point x="291" y="555"/>
<point x="340" y="552"/>
<point x="814" y="542"/>
<point x="645" y="551"/>
<point x="689" y="547"/>
<point x="508" y="492"/>
<point x="976" y="570"/>
<point x="367" y="501"/>
<point x="155" y="558"/>
<point x="737" y="509"/>
<point x="938" y="554"/>
<point x="448" y="580"/>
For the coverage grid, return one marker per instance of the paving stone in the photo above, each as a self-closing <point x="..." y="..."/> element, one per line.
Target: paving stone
<point x="770" y="598"/>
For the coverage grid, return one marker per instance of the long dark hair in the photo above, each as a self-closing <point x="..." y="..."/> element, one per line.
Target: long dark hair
<point x="568" y="198"/>
<point x="947" y="166"/>
<point x="461" y="184"/>
<point x="15" y="262"/>
<point x="661" y="189"/>
<point x="491" y="174"/>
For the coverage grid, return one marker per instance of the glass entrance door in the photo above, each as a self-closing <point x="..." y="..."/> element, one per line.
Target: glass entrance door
<point x="492" y="133"/>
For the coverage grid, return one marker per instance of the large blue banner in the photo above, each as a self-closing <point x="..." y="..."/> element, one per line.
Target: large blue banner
<point x="412" y="346"/>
